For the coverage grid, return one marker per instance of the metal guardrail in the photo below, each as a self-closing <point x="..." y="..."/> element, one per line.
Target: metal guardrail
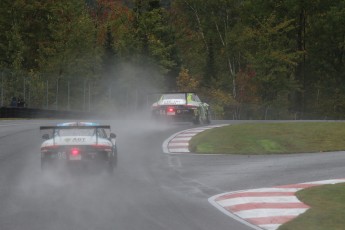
<point x="15" y="112"/>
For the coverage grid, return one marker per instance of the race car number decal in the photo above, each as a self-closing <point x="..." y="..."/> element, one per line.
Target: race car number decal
<point x="62" y="155"/>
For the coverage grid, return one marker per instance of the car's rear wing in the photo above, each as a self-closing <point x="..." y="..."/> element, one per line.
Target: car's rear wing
<point x="76" y="127"/>
<point x="54" y="128"/>
<point x="167" y="92"/>
<point x="185" y="94"/>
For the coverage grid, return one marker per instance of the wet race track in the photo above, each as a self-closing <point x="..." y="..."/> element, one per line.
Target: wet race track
<point x="149" y="190"/>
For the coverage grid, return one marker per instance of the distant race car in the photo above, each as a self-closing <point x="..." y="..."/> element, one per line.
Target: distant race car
<point x="181" y="107"/>
<point x="78" y="143"/>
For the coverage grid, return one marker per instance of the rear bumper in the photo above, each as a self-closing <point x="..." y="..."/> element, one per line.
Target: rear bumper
<point x="86" y="154"/>
<point x="184" y="117"/>
<point x="179" y="114"/>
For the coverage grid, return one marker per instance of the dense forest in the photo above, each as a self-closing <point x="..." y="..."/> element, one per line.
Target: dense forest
<point x="249" y="59"/>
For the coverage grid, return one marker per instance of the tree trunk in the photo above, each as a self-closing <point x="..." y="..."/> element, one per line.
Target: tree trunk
<point x="299" y="99"/>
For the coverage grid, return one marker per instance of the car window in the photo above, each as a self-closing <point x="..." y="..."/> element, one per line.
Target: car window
<point x="173" y="96"/>
<point x="101" y="133"/>
<point x="75" y="132"/>
<point x="196" y="98"/>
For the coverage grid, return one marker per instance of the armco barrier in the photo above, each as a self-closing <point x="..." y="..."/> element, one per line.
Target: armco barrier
<point x="15" y="112"/>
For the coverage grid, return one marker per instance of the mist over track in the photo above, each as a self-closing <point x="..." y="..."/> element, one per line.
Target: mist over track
<point x="150" y="190"/>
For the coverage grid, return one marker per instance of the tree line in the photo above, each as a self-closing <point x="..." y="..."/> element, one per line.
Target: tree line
<point x="249" y="59"/>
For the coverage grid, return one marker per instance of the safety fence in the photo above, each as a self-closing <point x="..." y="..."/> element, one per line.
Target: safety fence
<point x="32" y="113"/>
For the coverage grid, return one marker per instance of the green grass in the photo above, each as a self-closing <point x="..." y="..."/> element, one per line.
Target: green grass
<point x="271" y="138"/>
<point x="327" y="211"/>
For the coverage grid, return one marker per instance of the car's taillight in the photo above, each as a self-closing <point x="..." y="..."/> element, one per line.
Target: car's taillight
<point x="191" y="106"/>
<point x="106" y="148"/>
<point x="170" y="109"/>
<point x="49" y="148"/>
<point x="75" y="152"/>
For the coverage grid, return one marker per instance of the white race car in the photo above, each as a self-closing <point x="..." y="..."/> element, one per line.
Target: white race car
<point x="78" y="143"/>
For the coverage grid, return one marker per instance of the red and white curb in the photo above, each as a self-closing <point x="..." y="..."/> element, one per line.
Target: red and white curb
<point x="265" y="208"/>
<point x="179" y="142"/>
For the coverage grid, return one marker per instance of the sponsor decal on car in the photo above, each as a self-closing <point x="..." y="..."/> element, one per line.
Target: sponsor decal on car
<point x="78" y="139"/>
<point x="173" y="102"/>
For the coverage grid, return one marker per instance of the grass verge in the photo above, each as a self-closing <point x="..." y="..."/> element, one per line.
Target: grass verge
<point x="271" y="138"/>
<point x="327" y="211"/>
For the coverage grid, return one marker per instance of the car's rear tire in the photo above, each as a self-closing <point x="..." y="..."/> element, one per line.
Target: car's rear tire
<point x="208" y="118"/>
<point x="111" y="165"/>
<point x="44" y="164"/>
<point x="197" y="120"/>
<point x="112" y="162"/>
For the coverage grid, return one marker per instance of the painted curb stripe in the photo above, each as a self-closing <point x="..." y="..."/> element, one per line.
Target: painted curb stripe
<point x="180" y="150"/>
<point x="181" y="139"/>
<point x="242" y="207"/>
<point x="298" y="186"/>
<point x="269" y="226"/>
<point x="271" y="220"/>
<point x="245" y="200"/>
<point x="263" y="213"/>
<point x="255" y="194"/>
<point x="274" y="189"/>
<point x="186" y="135"/>
<point x="179" y="142"/>
<point x="265" y="208"/>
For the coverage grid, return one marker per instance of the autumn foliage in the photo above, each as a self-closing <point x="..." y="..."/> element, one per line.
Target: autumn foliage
<point x="253" y="59"/>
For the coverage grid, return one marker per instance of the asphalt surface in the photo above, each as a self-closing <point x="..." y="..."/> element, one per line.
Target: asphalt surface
<point x="150" y="190"/>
